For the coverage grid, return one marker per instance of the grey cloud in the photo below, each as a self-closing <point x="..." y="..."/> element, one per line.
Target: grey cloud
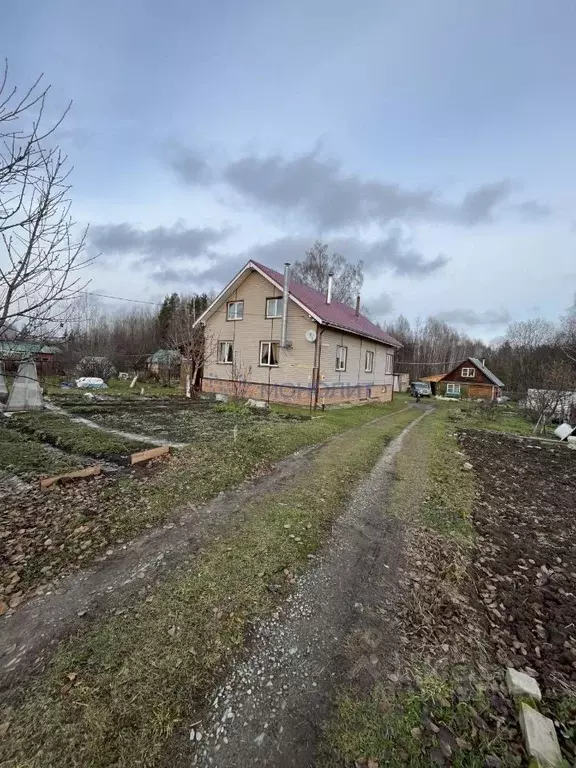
<point x="155" y="245"/>
<point x="532" y="209"/>
<point x="380" y="306"/>
<point x="318" y="191"/>
<point x="471" y="318"/>
<point x="190" y="166"/>
<point x="387" y="255"/>
<point x="479" y="206"/>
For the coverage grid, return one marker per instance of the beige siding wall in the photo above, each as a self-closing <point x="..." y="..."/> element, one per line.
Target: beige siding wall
<point x="355" y="372"/>
<point x="295" y="364"/>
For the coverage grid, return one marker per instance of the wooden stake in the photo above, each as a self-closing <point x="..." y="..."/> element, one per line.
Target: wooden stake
<point x="152" y="453"/>
<point x="46" y="482"/>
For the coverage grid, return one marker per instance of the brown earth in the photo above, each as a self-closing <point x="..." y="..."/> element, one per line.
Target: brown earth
<point x="525" y="567"/>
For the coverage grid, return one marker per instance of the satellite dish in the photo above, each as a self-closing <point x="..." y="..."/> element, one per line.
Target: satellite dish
<point x="310" y="336"/>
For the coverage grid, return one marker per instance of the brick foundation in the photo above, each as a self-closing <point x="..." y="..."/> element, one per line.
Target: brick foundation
<point x="286" y="393"/>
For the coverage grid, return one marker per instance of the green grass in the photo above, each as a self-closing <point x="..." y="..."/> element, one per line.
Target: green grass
<point x="499" y="418"/>
<point x="390" y="727"/>
<point x="137" y="678"/>
<point x="199" y="472"/>
<point x="51" y="386"/>
<point x="28" y="458"/>
<point x="73" y="437"/>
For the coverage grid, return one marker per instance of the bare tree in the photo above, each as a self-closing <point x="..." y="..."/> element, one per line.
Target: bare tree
<point x="555" y="400"/>
<point x="193" y="342"/>
<point x="317" y="264"/>
<point x="40" y="254"/>
<point x="240" y="378"/>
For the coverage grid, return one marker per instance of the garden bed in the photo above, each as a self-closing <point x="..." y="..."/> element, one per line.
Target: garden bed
<point x="72" y="437"/>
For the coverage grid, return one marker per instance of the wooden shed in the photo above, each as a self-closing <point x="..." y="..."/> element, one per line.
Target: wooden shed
<point x="470" y="378"/>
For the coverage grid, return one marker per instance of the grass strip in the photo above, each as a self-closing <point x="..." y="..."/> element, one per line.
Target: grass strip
<point x="27" y="458"/>
<point x="116" y="695"/>
<point x="73" y="437"/>
<point x="390" y="723"/>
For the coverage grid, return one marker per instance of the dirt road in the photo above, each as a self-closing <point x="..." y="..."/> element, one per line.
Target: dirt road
<point x="338" y="625"/>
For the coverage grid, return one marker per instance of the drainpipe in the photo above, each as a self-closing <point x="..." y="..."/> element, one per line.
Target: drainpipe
<point x="330" y="284"/>
<point x="316" y="369"/>
<point x="285" y="304"/>
<point x="357" y="311"/>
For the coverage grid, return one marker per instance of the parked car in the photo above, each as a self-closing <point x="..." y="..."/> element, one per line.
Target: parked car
<point x="421" y="388"/>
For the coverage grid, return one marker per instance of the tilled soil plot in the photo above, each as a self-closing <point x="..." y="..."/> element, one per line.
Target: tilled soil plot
<point x="525" y="565"/>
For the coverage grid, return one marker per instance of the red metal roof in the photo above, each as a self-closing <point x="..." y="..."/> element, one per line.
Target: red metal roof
<point x="334" y="314"/>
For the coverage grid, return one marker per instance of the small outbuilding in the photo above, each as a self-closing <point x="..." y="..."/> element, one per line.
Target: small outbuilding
<point x="470" y="379"/>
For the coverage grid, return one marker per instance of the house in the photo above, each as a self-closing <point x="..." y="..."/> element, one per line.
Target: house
<point x="470" y="378"/>
<point x="278" y="340"/>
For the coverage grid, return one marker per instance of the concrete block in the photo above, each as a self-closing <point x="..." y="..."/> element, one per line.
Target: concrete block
<point x="540" y="738"/>
<point x="520" y="684"/>
<point x="220" y="398"/>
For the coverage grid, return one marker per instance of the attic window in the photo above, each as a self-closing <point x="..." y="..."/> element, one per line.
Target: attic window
<point x="235" y="310"/>
<point x="468" y="373"/>
<point x="274" y="307"/>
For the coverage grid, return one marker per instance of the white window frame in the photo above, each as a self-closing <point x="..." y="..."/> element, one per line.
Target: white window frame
<point x="229" y="353"/>
<point x="269" y="344"/>
<point x="233" y="315"/>
<point x="341" y="359"/>
<point x="452" y="388"/>
<point x="369" y="361"/>
<point x="280" y="301"/>
<point x="468" y="373"/>
<point x="389" y="363"/>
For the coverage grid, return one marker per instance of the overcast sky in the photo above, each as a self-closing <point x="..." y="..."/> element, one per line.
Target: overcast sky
<point x="434" y="140"/>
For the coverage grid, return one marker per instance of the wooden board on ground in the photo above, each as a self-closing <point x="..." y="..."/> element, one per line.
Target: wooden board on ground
<point x="151" y="453"/>
<point x="46" y="482"/>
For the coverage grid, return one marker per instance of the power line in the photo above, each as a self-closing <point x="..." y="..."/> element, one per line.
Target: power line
<point x="123" y="298"/>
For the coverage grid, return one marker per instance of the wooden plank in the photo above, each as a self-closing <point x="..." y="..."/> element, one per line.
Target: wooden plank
<point x="46" y="482"/>
<point x="152" y="453"/>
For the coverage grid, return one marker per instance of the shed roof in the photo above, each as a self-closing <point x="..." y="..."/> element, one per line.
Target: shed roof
<point x="480" y="365"/>
<point x="164" y="357"/>
<point x="26" y="348"/>
<point x="435" y="377"/>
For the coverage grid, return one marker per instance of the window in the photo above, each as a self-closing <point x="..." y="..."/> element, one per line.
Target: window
<point x="269" y="353"/>
<point x="369" y="362"/>
<point x="274" y="307"/>
<point x="389" y="363"/>
<point x="341" y="355"/>
<point x="468" y="373"/>
<point x="235" y="310"/>
<point x="225" y="352"/>
<point x="452" y="388"/>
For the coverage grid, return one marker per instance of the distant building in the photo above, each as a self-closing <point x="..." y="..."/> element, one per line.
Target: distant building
<point x="12" y="353"/>
<point x="470" y="378"/>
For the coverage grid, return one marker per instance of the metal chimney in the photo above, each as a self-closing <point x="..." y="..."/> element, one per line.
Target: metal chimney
<point x="357" y="312"/>
<point x="285" y="304"/>
<point x="330" y="284"/>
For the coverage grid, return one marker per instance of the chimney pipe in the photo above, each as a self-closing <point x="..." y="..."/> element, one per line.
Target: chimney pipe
<point x="330" y="283"/>
<point x="357" y="306"/>
<point x="285" y="304"/>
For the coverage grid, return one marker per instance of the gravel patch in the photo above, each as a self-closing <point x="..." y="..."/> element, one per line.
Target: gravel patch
<point x="269" y="710"/>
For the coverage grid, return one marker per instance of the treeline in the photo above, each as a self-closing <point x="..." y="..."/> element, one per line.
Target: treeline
<point x="127" y="338"/>
<point x="533" y="353"/>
